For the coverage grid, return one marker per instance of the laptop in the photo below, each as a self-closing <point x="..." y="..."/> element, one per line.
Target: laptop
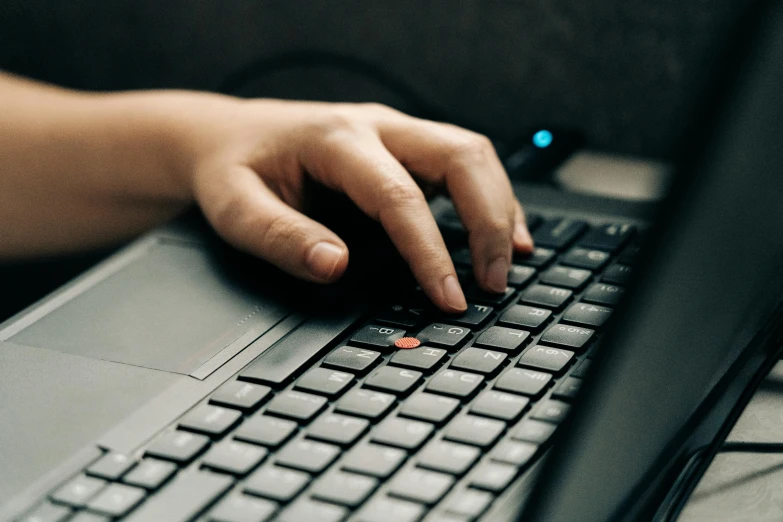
<point x="177" y="381"/>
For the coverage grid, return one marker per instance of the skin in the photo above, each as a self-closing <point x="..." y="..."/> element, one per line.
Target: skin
<point x="79" y="170"/>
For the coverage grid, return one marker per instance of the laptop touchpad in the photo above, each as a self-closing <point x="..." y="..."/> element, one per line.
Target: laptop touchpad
<point x="171" y="309"/>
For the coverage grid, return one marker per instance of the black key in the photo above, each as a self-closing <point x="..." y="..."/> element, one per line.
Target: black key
<point x="352" y="359"/>
<point x="337" y="429"/>
<point x="585" y="258"/>
<point x="603" y="294"/>
<point x="573" y="278"/>
<point x="365" y="403"/>
<point x="398" y="381"/>
<point x="400" y="315"/>
<point x="567" y="389"/>
<point x="530" y="430"/>
<point x="429" y="407"/>
<point x="540" y="257"/>
<point x="581" y="370"/>
<point x="526" y="317"/>
<point x="78" y="491"/>
<point x="499" y="405"/>
<point x="423" y="358"/>
<point x="617" y="274"/>
<point x="519" y="275"/>
<point x="610" y="237"/>
<point x="558" y="234"/>
<point x="374" y="460"/>
<point x="506" y="339"/>
<point x="574" y="337"/>
<point x="210" y="420"/>
<point x="48" y="512"/>
<point x="475" y="293"/>
<point x="324" y="381"/>
<point x="630" y="254"/>
<point x="278" y="364"/>
<point x="419" y="485"/>
<point x="377" y="336"/>
<point x="306" y="509"/>
<point x="385" y="509"/>
<point x="462" y="257"/>
<point x="444" y="335"/>
<point x="473" y="317"/>
<point x="276" y="483"/>
<point x="469" y="504"/>
<point x="479" y="360"/>
<point x="236" y="458"/>
<point x="476" y="431"/>
<point x="448" y="457"/>
<point x="513" y="452"/>
<point x="550" y="411"/>
<point x="546" y="358"/>
<point x="116" y="500"/>
<point x="523" y="381"/>
<point x="307" y="455"/>
<point x="150" y="474"/>
<point x="346" y="489"/>
<point x="183" y="499"/>
<point x="240" y="395"/>
<point x="492" y="476"/>
<point x="111" y="466"/>
<point x="548" y="296"/>
<point x="297" y="406"/>
<point x="402" y="433"/>
<point x="533" y="221"/>
<point x="587" y="314"/>
<point x="455" y="383"/>
<point x="242" y="508"/>
<point x="265" y="430"/>
<point x="178" y="446"/>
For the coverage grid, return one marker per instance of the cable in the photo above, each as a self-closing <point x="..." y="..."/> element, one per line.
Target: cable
<point x="751" y="447"/>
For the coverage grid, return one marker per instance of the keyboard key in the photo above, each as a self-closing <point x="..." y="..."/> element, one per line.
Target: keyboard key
<point x="519" y="275"/>
<point x="265" y="430"/>
<point x="111" y="466"/>
<point x="400" y="315"/>
<point x="376" y="336"/>
<point x="374" y="460"/>
<point x="574" y="337"/>
<point x="352" y="359"/>
<point x="617" y="274"/>
<point x="468" y="504"/>
<point x="476" y="293"/>
<point x="399" y="381"/>
<point x="479" y="360"/>
<point x="444" y="335"/>
<point x="117" y="500"/>
<point x="306" y="455"/>
<point x="419" y="485"/>
<point x="475" y="316"/>
<point x="587" y="314"/>
<point x="506" y="339"/>
<point x="546" y="358"/>
<point x="473" y="430"/>
<point x="402" y="433"/>
<point x="567" y="389"/>
<point x="424" y="358"/>
<point x="240" y="395"/>
<point x="523" y="381"/>
<point x="150" y="474"/>
<point x="513" y="452"/>
<point x="610" y="237"/>
<point x="78" y="491"/>
<point x="210" y="420"/>
<point x="499" y="405"/>
<point x="550" y="411"/>
<point x="276" y="483"/>
<point x="630" y="254"/>
<point x="603" y="294"/>
<point x="385" y="509"/>
<point x="337" y="429"/>
<point x="585" y="258"/>
<point x="455" y="383"/>
<point x="324" y="381"/>
<point x="548" y="296"/>
<point x="581" y="369"/>
<point x="346" y="489"/>
<point x="87" y="516"/>
<point x="573" y="278"/>
<point x="429" y="407"/>
<point x="236" y="458"/>
<point x="538" y="259"/>
<point x="304" y="510"/>
<point x="558" y="234"/>
<point x="47" y="512"/>
<point x="365" y="403"/>
<point x="448" y="457"/>
<point x="242" y="508"/>
<point x="297" y="406"/>
<point x="525" y="317"/>
<point x="492" y="476"/>
<point x="534" y="431"/>
<point x="178" y="446"/>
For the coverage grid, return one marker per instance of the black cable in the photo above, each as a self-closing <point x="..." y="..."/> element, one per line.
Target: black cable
<point x="751" y="447"/>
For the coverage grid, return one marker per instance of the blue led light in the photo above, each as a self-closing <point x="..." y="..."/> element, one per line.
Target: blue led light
<point x="542" y="139"/>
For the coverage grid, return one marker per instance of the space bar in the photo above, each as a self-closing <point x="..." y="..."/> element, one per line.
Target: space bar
<point x="182" y="500"/>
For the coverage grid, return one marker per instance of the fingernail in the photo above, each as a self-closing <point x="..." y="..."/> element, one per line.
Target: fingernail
<point x="496" y="277"/>
<point x="323" y="259"/>
<point x="453" y="295"/>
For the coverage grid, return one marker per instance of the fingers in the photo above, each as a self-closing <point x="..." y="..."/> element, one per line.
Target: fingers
<point x="250" y="216"/>
<point x="523" y="241"/>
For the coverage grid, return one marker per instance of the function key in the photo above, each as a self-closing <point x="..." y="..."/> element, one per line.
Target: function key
<point x="307" y="455"/>
<point x="587" y="314"/>
<point x="78" y="491"/>
<point x="523" y="381"/>
<point x="519" y="275"/>
<point x="240" y="395"/>
<point x="111" y="466"/>
<point x="499" y="405"/>
<point x="423" y="358"/>
<point x="429" y="407"/>
<point x="445" y="335"/>
<point x="574" y="278"/>
<point x="419" y="485"/>
<point x="530" y="430"/>
<point x="266" y="430"/>
<point x="585" y="258"/>
<point x="448" y="457"/>
<point x="402" y="433"/>
<point x="506" y="339"/>
<point x="324" y="381"/>
<point x="210" y="420"/>
<point x="352" y="359"/>
<point x="455" y="383"/>
<point x="334" y="428"/>
<point x="374" y="460"/>
<point x="567" y="389"/>
<point x="475" y="293"/>
<point x="550" y="411"/>
<point x="617" y="274"/>
<point x="178" y="446"/>
<point x="297" y="406"/>
<point x="399" y="381"/>
<point x="548" y="296"/>
<point x="233" y="457"/>
<point x="150" y="474"/>
<point x="473" y="430"/>
<point x="540" y="257"/>
<point x="365" y="403"/>
<point x="546" y="358"/>
<point x="473" y="317"/>
<point x="400" y="315"/>
<point x="276" y="483"/>
<point x="375" y="336"/>
<point x="479" y="360"/>
<point x="603" y="294"/>
<point x="558" y="234"/>
<point x="527" y="317"/>
<point x="609" y="237"/>
<point x="573" y="337"/>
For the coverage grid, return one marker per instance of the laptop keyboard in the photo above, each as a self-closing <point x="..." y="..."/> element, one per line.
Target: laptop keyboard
<point x="372" y="432"/>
